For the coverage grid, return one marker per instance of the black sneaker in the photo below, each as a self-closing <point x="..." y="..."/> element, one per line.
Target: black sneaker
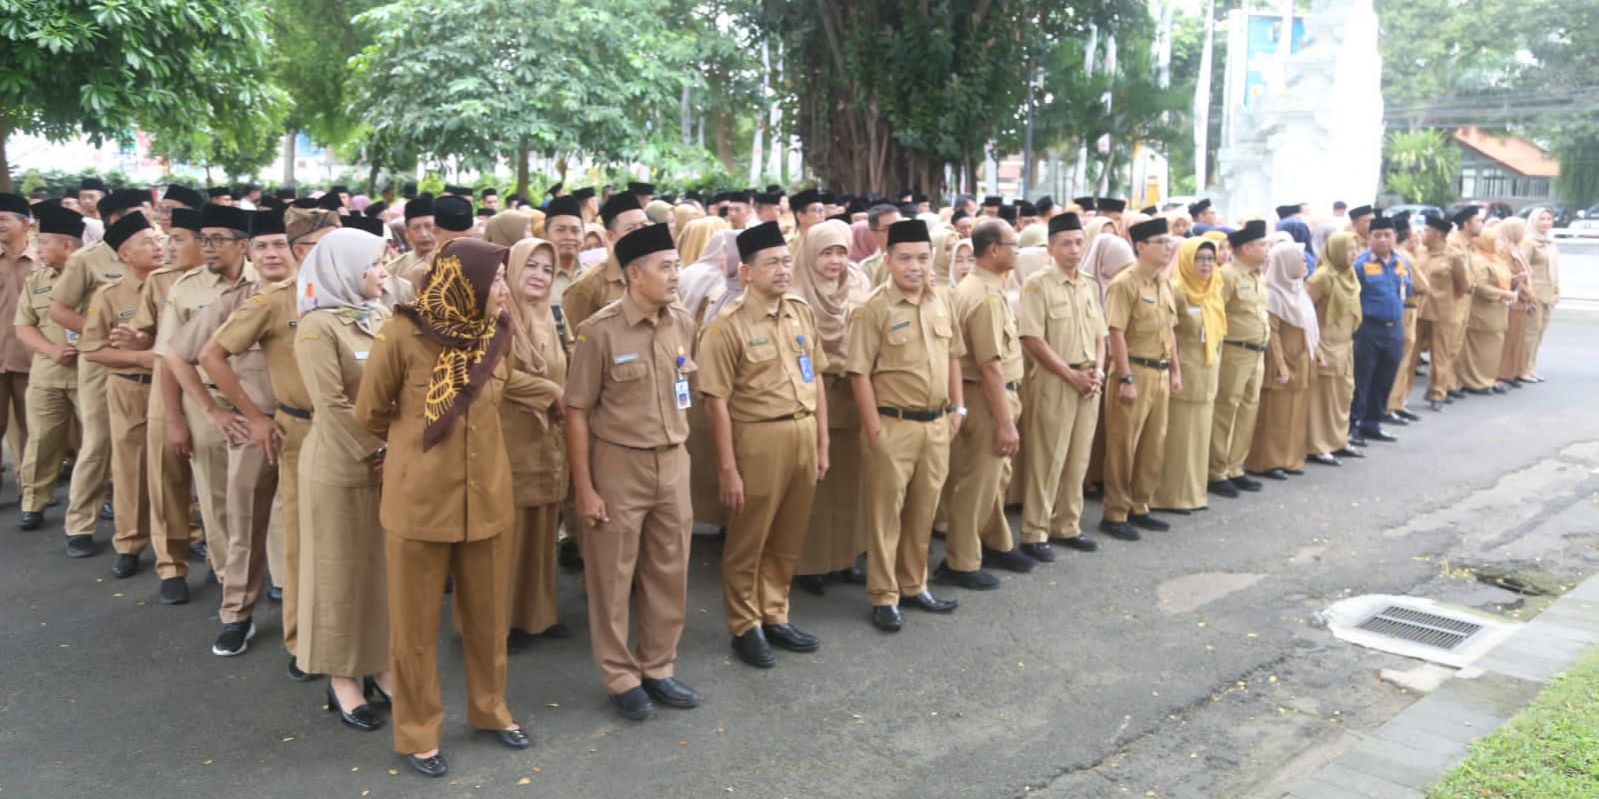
<point x="80" y="546"/>
<point x="1243" y="483"/>
<point x="198" y="552"/>
<point x="1041" y="551"/>
<point x="174" y="591"/>
<point x="1010" y="560"/>
<point x="108" y="513"/>
<point x="978" y="580"/>
<point x="235" y="638"/>
<point x="124" y="566"/>
<point x="30" y="520"/>
<point x="1147" y="522"/>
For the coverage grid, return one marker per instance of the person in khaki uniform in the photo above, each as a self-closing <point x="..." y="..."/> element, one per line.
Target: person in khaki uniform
<point x="1409" y="252"/>
<point x="53" y="379"/>
<point x="980" y="467"/>
<point x="1142" y="315"/>
<point x="759" y="361"/>
<point x="86" y="271"/>
<point x="1448" y="284"/>
<point x="536" y="443"/>
<point x="1292" y="354"/>
<point x="17" y="262"/>
<point x="626" y="395"/>
<point x="1493" y="289"/>
<point x="1201" y="328"/>
<point x="433" y="389"/>
<point x="1243" y="362"/>
<point x="596" y="288"/>
<point x="1335" y="291"/>
<point x="904" y="367"/>
<point x="1542" y="257"/>
<point x="252" y="482"/>
<point x="128" y="395"/>
<point x="1062" y="328"/>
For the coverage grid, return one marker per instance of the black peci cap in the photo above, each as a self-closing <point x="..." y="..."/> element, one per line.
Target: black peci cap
<point x="1064" y="222"/>
<point x="616" y="205"/>
<point x="908" y="231"/>
<point x="1148" y="229"/>
<point x="761" y="237"/>
<point x="1253" y="229"/>
<point x="644" y="241"/>
<point x="452" y="213"/>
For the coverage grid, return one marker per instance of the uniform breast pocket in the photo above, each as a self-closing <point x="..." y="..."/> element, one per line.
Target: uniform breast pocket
<point x="765" y="365"/>
<point x="901" y="348"/>
<point x="1059" y="311"/>
<point x="626" y="382"/>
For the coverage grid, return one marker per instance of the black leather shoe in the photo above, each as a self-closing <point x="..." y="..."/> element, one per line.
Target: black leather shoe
<point x="972" y="581"/>
<point x="211" y="577"/>
<point x="1173" y="511"/>
<point x="518" y="640"/>
<point x="932" y="604"/>
<point x="557" y="631"/>
<point x="1121" y="530"/>
<point x="360" y="718"/>
<point x="1274" y="474"/>
<point x="80" y="546"/>
<point x="174" y="591"/>
<point x="30" y="520"/>
<point x="887" y="618"/>
<point x="854" y="575"/>
<point x="1405" y="414"/>
<point x="1348" y="452"/>
<point x="198" y="552"/>
<point x="1081" y="543"/>
<point x="1435" y="406"/>
<point x="1295" y="472"/>
<point x="791" y="638"/>
<point x="751" y="647"/>
<point x="1009" y="561"/>
<point x="1357" y="440"/>
<point x="275" y="595"/>
<point x="1500" y="388"/>
<point x="633" y="704"/>
<point x="671" y="691"/>
<point x="429" y="766"/>
<point x="1457" y="393"/>
<point x="125" y="566"/>
<point x="374" y="693"/>
<point x="1323" y="460"/>
<point x="1147" y="522"/>
<point x="514" y="738"/>
<point x="1481" y="392"/>
<point x="108" y="512"/>
<point x="568" y="556"/>
<point x="1381" y="435"/>
<point x="1223" y="488"/>
<point x="1394" y="418"/>
<point x="811" y="583"/>
<point x="297" y="675"/>
<point x="1041" y="552"/>
<point x="1243" y="483"/>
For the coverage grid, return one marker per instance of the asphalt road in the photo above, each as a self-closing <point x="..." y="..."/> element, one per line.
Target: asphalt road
<point x="1184" y="665"/>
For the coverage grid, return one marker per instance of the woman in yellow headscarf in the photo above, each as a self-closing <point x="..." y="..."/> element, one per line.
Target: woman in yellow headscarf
<point x="1491" y="295"/>
<point x="693" y="236"/>
<point x="1335" y="291"/>
<point x="1201" y="326"/>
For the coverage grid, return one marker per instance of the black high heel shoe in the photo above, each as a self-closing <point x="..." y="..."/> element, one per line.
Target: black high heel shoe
<point x="360" y="718"/>
<point x="369" y="686"/>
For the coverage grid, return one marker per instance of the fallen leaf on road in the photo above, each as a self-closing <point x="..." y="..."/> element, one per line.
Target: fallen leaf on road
<point x="524" y="781"/>
<point x="288" y="739"/>
<point x="682" y="742"/>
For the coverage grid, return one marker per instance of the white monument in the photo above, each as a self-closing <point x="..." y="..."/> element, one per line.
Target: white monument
<point x="1303" y="114"/>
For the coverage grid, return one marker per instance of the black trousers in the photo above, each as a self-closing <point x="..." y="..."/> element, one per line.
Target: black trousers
<point x="1378" y="348"/>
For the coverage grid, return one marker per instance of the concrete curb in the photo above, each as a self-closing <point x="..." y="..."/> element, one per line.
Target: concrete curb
<point x="1421" y="744"/>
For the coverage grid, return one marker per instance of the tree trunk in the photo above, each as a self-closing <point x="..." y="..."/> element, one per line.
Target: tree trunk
<point x="5" y="165"/>
<point x="521" y="167"/>
<point x="288" y="158"/>
<point x="723" y="126"/>
<point x="372" y="180"/>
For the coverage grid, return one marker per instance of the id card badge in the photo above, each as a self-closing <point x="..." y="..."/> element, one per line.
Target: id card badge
<point x="680" y="386"/>
<point x="807" y="373"/>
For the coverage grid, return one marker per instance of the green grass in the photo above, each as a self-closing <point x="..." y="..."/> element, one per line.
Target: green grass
<point x="1548" y="751"/>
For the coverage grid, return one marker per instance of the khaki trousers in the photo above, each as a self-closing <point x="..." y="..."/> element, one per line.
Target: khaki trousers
<point x="1057" y="439"/>
<point x="170" y="483"/>
<point x="1135" y="442"/>
<point x="777" y="461"/>
<point x="1237" y="404"/>
<point x="251" y="513"/>
<point x="838" y="531"/>
<point x="1447" y="339"/>
<point x="638" y="559"/>
<point x="209" y="465"/>
<point x="1407" y="363"/>
<point x="92" y="468"/>
<point x="294" y="432"/>
<point x="480" y="569"/>
<point x="530" y="589"/>
<point x="905" y="470"/>
<point x="50" y="413"/>
<point x="14" y="414"/>
<point x="979" y="480"/>
<point x="127" y="402"/>
<point x="1537" y="323"/>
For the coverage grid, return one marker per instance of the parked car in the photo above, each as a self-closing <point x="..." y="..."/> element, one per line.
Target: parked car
<point x="1561" y="211"/>
<point x="1587" y="229"/>
<point x="1414" y="212"/>
<point x="1591" y="213"/>
<point x="1488" y="210"/>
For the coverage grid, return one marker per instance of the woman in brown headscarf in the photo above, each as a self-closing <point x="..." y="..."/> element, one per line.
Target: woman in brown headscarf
<point x="1201" y="326"/>
<point x="536" y="445"/>
<point x="507" y="228"/>
<point x="1513" y="356"/>
<point x="1492" y="291"/>
<point x="1278" y="449"/>
<point x="825" y="278"/>
<point x="693" y="236"/>
<point x="1335" y="291"/>
<point x="433" y="388"/>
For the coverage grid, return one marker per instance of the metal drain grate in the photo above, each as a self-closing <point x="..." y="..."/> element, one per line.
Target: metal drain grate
<point x="1427" y="629"/>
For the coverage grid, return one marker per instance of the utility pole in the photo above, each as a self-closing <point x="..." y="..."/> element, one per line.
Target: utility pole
<point x="1027" y="148"/>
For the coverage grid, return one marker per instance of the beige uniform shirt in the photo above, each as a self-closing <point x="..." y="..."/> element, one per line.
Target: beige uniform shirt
<point x="987" y="326"/>
<point x="625" y="365"/>
<point x="1145" y="310"/>
<point x="591" y="291"/>
<point x="33" y="310"/>
<point x="1064" y="313"/>
<point x="905" y="347"/>
<point x="113" y="304"/>
<point x="1245" y="294"/>
<point x="14" y="273"/>
<point x="249" y="366"/>
<point x="268" y="319"/>
<point x="750" y="357"/>
<point x="86" y="270"/>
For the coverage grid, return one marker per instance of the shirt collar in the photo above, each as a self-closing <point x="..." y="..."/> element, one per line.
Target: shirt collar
<point x="633" y="314"/>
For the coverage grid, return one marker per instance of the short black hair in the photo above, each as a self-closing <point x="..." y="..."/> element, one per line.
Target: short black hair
<point x="1340" y="206"/>
<point x="876" y="213"/>
<point x="987" y="235"/>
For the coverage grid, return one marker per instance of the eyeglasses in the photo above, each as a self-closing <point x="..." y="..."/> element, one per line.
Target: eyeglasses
<point x="216" y="241"/>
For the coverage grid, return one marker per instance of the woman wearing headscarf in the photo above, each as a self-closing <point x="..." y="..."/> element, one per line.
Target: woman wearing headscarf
<point x="1492" y="292"/>
<point x="1283" y="423"/>
<point x="962" y="260"/>
<point x="433" y="389"/>
<point x="694" y="235"/>
<point x="593" y="236"/>
<point x="1224" y="248"/>
<point x="343" y="612"/>
<point x="507" y="228"/>
<point x="1299" y="232"/>
<point x="704" y="287"/>
<point x="1335" y="291"/>
<point x="1106" y="258"/>
<point x="1513" y="356"/>
<point x="1543" y="265"/>
<point x="703" y="283"/>
<point x="682" y="214"/>
<point x="535" y="224"/>
<point x="536" y="445"/>
<point x="1201" y="328"/>
<point x="833" y="286"/>
<point x="1097" y="225"/>
<point x="863" y="243"/>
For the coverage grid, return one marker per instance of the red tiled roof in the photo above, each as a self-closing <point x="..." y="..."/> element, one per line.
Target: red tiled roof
<point x="1516" y="154"/>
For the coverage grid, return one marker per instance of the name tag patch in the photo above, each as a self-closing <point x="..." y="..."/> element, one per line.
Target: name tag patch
<point x="759" y="340"/>
<point x="626" y="357"/>
<point x="363" y="355"/>
<point x="125" y="314"/>
<point x="1150" y="300"/>
<point x="900" y="325"/>
<point x="43" y="290"/>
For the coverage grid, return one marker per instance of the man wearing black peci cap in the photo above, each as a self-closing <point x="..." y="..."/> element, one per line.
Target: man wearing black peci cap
<point x="1141" y="313"/>
<point x="591" y="203"/>
<point x="1086" y="208"/>
<point x="597" y="287"/>
<point x="1380" y="339"/>
<point x="991" y="206"/>
<point x="176" y="196"/>
<point x="905" y="374"/>
<point x="1112" y="208"/>
<point x="421" y="235"/>
<point x="768" y="207"/>
<point x="1204" y="213"/>
<point x="809" y="211"/>
<point x="642" y="192"/>
<point x="90" y="192"/>
<point x="1360" y="224"/>
<point x="1442" y="317"/>
<point x="1242" y="369"/>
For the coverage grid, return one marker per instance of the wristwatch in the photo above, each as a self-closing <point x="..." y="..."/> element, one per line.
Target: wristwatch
<point x="960" y="409"/>
<point x="1128" y="379"/>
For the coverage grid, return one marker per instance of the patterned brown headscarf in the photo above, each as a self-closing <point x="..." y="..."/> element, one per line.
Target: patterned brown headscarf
<point x="450" y="311"/>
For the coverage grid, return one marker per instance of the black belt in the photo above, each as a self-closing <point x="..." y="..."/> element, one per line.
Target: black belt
<point x="792" y="417"/>
<point x="911" y="414"/>
<point x="295" y="412"/>
<point x="1013" y="385"/>
<point x="661" y="448"/>
<point x="1085" y="366"/>
<point x="1411" y="305"/>
<point x="1380" y="324"/>
<point x="1152" y="363"/>
<point x="135" y="378"/>
<point x="1248" y="346"/>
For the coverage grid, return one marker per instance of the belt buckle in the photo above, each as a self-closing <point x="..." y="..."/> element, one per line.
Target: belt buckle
<point x="802" y="415"/>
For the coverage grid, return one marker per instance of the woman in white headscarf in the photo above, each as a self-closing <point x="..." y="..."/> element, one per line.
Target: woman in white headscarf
<point x="1282" y="428"/>
<point x="825" y="278"/>
<point x="343" y="605"/>
<point x="1543" y="266"/>
<point x="1106" y="258"/>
